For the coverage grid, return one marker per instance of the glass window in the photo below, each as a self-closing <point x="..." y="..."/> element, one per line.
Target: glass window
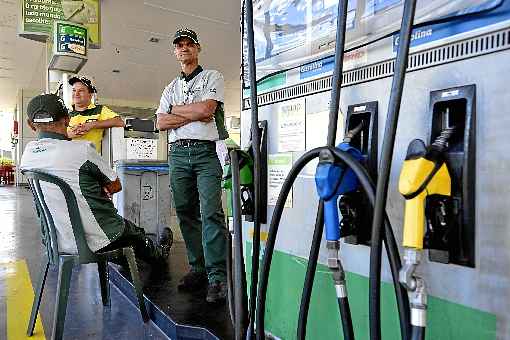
<point x="289" y="33"/>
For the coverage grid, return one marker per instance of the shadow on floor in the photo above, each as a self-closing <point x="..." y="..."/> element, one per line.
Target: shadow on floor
<point x="160" y="287"/>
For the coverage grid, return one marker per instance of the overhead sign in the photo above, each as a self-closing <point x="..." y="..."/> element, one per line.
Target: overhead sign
<point x="69" y="47"/>
<point x="38" y="17"/>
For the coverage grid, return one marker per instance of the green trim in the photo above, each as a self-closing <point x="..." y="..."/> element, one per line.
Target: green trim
<point x="91" y="182"/>
<point x="269" y="83"/>
<point x="219" y="118"/>
<point x="446" y="320"/>
<point x="52" y="135"/>
<point x="192" y="75"/>
<point x="96" y="110"/>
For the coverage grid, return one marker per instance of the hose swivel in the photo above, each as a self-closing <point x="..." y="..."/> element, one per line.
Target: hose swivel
<point x="415" y="286"/>
<point x="335" y="265"/>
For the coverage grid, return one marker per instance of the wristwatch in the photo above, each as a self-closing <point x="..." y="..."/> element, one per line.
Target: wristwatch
<point x="169" y="109"/>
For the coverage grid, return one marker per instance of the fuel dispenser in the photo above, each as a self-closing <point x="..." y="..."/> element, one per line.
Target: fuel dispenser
<point x="245" y="163"/>
<point x="439" y="208"/>
<point x="330" y="175"/>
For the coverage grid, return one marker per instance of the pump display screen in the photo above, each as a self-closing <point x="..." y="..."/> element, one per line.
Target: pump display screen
<point x="289" y="33"/>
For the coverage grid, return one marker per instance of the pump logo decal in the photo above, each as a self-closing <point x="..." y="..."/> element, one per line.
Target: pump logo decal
<point x="449" y="29"/>
<point x="447" y="94"/>
<point x="352" y="60"/>
<point x="417" y="37"/>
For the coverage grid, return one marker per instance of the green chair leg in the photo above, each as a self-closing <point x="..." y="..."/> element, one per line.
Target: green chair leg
<point x="130" y="257"/>
<point x="37" y="298"/>
<point x="65" y="270"/>
<point x="102" y="268"/>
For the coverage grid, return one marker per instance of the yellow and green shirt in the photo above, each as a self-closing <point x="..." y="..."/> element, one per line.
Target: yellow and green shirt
<point x="91" y="114"/>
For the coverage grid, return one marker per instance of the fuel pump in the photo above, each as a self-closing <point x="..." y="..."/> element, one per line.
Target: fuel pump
<point x="340" y="157"/>
<point x="245" y="165"/>
<point x="424" y="179"/>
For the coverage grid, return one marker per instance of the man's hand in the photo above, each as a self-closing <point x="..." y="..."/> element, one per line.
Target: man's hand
<point x="86" y="127"/>
<point x="207" y="119"/>
<point x="74" y="132"/>
<point x="112" y="188"/>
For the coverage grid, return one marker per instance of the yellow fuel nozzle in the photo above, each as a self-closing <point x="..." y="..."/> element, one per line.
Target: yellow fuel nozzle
<point x="424" y="173"/>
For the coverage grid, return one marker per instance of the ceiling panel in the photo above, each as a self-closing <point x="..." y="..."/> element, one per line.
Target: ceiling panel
<point x="143" y="68"/>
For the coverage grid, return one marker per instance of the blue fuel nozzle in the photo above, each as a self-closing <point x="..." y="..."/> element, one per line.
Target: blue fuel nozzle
<point x="333" y="179"/>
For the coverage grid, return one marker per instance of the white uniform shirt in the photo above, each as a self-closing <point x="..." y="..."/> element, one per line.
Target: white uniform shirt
<point x="80" y="166"/>
<point x="203" y="85"/>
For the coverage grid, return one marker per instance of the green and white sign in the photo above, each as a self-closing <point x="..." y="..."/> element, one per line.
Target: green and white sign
<point x="38" y="17"/>
<point x="278" y="168"/>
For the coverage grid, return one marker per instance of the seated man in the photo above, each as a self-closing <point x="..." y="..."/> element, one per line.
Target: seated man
<point x="91" y="179"/>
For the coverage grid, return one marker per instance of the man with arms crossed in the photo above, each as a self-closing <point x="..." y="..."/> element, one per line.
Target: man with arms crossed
<point x="191" y="109"/>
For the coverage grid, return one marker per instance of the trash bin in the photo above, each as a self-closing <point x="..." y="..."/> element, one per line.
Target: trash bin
<point x="145" y="198"/>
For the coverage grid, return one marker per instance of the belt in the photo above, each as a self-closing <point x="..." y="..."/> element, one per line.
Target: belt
<point x="186" y="143"/>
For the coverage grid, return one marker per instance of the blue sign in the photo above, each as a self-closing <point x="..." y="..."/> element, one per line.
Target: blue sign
<point x="454" y="27"/>
<point x="317" y="67"/>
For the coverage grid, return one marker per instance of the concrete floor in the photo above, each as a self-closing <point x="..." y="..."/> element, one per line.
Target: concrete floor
<point x="20" y="258"/>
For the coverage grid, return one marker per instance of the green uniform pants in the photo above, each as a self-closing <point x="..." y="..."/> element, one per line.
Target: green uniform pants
<point x="134" y="236"/>
<point x="195" y="179"/>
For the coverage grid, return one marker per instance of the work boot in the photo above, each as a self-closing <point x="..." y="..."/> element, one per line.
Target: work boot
<point x="216" y="292"/>
<point x="193" y="281"/>
<point x="165" y="242"/>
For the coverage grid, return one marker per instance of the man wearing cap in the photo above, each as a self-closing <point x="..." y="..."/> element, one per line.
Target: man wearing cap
<point x="91" y="179"/>
<point x="191" y="109"/>
<point x="88" y="120"/>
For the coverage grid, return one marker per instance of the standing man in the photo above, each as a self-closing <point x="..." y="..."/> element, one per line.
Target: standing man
<point x="88" y="120"/>
<point x="191" y="109"/>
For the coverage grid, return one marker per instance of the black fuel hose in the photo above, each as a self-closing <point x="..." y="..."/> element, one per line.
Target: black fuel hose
<point x="310" y="272"/>
<point x="255" y="136"/>
<point x="389" y="241"/>
<point x="271" y="239"/>
<point x="331" y="139"/>
<point x="418" y="333"/>
<point x="240" y="298"/>
<point x="336" y="85"/>
<point x="385" y="167"/>
<point x="345" y="314"/>
<point x="230" y="282"/>
<point x="367" y="185"/>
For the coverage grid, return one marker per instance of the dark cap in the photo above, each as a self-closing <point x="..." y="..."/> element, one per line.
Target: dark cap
<point x="85" y="81"/>
<point x="46" y="108"/>
<point x="186" y="33"/>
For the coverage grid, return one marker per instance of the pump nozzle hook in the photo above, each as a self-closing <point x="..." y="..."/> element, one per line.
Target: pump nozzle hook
<point x="351" y="133"/>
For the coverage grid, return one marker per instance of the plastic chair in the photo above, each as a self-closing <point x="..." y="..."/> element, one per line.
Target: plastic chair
<point x="66" y="261"/>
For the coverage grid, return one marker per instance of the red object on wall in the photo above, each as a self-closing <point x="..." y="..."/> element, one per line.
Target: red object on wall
<point x="15" y="129"/>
